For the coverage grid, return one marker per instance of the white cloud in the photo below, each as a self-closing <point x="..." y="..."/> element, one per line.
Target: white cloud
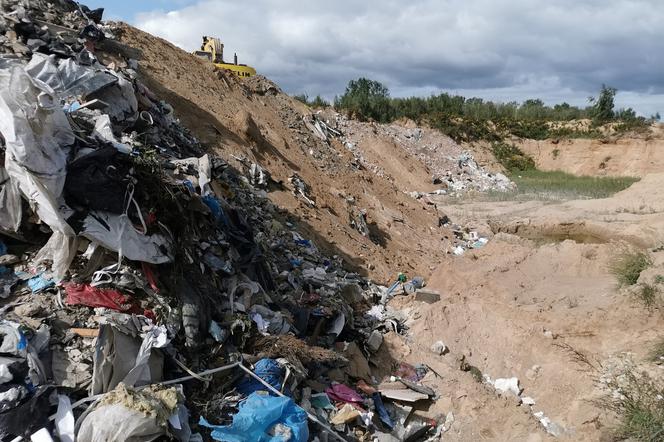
<point x="557" y="50"/>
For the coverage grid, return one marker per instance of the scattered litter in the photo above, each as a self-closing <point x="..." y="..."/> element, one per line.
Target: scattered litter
<point x="507" y="385"/>
<point x="439" y="348"/>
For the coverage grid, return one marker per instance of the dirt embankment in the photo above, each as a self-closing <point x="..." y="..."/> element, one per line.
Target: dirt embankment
<point x="620" y="157"/>
<point x="254" y="120"/>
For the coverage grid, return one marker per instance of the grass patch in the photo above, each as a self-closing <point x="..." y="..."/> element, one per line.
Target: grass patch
<point x="637" y="401"/>
<point x="567" y="185"/>
<point x="538" y="185"/>
<point x="628" y="265"/>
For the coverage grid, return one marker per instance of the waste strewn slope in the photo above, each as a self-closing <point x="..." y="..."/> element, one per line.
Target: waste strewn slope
<point x="228" y="115"/>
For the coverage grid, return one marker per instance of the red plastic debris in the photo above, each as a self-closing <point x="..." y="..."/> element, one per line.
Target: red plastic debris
<point x="343" y="393"/>
<point x="85" y="294"/>
<point x="149" y="275"/>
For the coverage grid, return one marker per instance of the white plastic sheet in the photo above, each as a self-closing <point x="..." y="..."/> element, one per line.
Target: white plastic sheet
<point x="37" y="133"/>
<point x="156" y="337"/>
<point x="66" y="77"/>
<point x="104" y="132"/>
<point x="116" y="233"/>
<point x="64" y="419"/>
<point x="11" y="210"/>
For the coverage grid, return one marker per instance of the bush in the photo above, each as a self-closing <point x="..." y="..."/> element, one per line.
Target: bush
<point x="637" y="401"/>
<point x="533" y="130"/>
<point x="316" y="102"/>
<point x="511" y="157"/>
<point x="570" y="132"/>
<point x="647" y="294"/>
<point x="473" y="119"/>
<point x="463" y="129"/>
<point x="628" y="265"/>
<point x="638" y="125"/>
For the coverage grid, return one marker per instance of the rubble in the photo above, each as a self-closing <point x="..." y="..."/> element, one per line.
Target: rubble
<point x="151" y="290"/>
<point x="451" y="167"/>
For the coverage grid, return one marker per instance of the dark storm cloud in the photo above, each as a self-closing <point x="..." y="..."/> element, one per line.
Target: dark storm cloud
<point x="549" y="49"/>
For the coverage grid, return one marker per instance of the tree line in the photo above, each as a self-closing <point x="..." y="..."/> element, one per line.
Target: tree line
<point x="469" y="119"/>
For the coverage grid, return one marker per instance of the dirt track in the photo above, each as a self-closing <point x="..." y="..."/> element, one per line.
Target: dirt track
<point x="539" y="294"/>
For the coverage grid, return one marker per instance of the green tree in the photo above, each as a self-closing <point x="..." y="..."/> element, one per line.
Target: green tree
<point x="602" y="110"/>
<point x="367" y="100"/>
<point x="319" y="102"/>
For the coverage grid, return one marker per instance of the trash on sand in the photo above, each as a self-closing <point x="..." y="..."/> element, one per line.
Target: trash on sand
<point x="507" y="385"/>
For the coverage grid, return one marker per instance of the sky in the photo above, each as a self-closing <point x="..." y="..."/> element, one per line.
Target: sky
<point x="555" y="50"/>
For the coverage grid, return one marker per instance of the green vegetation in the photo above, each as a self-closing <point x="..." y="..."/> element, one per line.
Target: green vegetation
<point x="647" y="294"/>
<point x="553" y="184"/>
<point x="572" y="132"/>
<point x="628" y="265"/>
<point x="565" y="185"/>
<point x="511" y="157"/>
<point x="318" y="101"/>
<point x="474" y="119"/>
<point x="639" y="407"/>
<point x="602" y="109"/>
<point x="366" y="100"/>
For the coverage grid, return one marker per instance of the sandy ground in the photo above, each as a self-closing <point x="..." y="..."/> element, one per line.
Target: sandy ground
<point x="537" y="302"/>
<point x="540" y="294"/>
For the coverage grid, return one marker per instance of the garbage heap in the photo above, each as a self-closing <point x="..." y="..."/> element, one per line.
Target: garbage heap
<point x="147" y="288"/>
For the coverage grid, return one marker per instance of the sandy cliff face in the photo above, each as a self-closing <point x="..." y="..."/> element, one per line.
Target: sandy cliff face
<point x="624" y="156"/>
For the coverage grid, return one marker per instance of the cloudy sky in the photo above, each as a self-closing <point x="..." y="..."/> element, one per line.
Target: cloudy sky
<point x="556" y="50"/>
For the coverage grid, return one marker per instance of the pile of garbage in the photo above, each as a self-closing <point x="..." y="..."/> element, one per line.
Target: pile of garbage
<point x="451" y="167"/>
<point x="148" y="289"/>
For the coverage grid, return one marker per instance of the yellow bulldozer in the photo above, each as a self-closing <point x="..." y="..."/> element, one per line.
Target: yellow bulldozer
<point x="212" y="50"/>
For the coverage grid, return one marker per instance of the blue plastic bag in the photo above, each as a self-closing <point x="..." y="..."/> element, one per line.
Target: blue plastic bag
<point x="257" y="415"/>
<point x="268" y="370"/>
<point x="39" y="283"/>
